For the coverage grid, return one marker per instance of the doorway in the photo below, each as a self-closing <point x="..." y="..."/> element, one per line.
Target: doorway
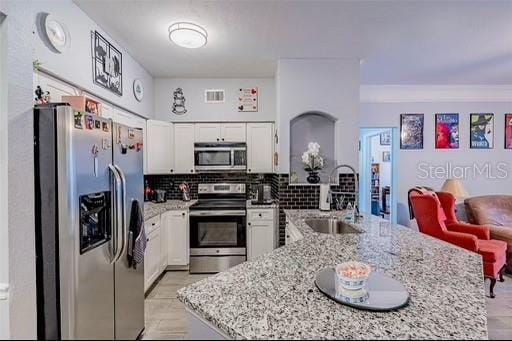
<point x="378" y="172"/>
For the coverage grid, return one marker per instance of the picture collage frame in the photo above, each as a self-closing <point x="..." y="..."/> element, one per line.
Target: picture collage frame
<point x="447" y="131"/>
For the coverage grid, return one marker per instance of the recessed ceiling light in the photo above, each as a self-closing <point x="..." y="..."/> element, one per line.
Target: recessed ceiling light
<point x="188" y="35"/>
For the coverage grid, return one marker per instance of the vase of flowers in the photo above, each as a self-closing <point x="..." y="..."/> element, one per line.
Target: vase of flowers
<point x="313" y="162"/>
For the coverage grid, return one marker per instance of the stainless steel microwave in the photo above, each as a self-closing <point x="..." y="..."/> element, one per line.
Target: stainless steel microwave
<point x="220" y="157"/>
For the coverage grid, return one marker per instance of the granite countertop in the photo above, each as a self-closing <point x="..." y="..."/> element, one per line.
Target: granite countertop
<point x="152" y="209"/>
<point x="273" y="204"/>
<point x="274" y="296"/>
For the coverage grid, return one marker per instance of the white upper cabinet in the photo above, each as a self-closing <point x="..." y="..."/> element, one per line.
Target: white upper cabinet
<point x="159" y="147"/>
<point x="232" y="132"/>
<point x="260" y="147"/>
<point x="220" y="132"/>
<point x="207" y="132"/>
<point x="183" y="148"/>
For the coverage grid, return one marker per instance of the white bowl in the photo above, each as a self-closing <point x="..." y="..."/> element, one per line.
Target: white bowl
<point x="355" y="281"/>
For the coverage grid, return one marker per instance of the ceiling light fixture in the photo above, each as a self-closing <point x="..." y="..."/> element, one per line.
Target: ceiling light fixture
<point x="188" y="35"/>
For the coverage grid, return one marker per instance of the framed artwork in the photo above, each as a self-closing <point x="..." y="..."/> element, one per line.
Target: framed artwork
<point x="482" y="131"/>
<point x="386" y="156"/>
<point x="248" y="99"/>
<point x="107" y="65"/>
<point x="411" y="131"/>
<point x="385" y="138"/>
<point x="447" y="131"/>
<point x="508" y="131"/>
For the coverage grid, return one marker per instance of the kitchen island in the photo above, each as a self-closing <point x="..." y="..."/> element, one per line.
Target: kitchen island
<point x="275" y="297"/>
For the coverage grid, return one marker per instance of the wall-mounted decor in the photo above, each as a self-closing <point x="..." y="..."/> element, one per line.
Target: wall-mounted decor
<point x="447" y="131"/>
<point x="386" y="156"/>
<point x="248" y="100"/>
<point x="138" y="90"/>
<point x="508" y="131"/>
<point x="385" y="138"/>
<point x="53" y="32"/>
<point x="178" y="104"/>
<point x="411" y="131"/>
<point x="482" y="131"/>
<point x="107" y="65"/>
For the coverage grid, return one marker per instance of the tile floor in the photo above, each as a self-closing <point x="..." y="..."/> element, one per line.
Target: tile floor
<point x="165" y="315"/>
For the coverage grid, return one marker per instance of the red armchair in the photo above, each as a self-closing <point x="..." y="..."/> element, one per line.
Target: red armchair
<point x="435" y="215"/>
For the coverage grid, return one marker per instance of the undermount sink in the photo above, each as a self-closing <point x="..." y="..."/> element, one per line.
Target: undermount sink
<point x="331" y="226"/>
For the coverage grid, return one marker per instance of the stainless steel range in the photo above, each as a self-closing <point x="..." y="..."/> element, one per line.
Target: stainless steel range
<point x="217" y="228"/>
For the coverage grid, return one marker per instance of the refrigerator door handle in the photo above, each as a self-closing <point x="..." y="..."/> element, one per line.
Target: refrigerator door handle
<point x="116" y="214"/>
<point x="123" y="211"/>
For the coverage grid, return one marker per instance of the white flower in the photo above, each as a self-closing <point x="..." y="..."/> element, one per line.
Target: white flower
<point x="305" y="157"/>
<point x="314" y="148"/>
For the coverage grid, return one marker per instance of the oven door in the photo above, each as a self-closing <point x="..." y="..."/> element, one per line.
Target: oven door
<point x="214" y="232"/>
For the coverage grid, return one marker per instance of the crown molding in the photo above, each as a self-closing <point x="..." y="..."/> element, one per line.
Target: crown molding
<point x="435" y="93"/>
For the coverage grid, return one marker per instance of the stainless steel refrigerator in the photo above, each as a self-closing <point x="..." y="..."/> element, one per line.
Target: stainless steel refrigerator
<point x="88" y="173"/>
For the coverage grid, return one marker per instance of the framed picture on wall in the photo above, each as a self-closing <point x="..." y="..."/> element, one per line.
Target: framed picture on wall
<point x="386" y="156"/>
<point x="482" y="131"/>
<point x="385" y="138"/>
<point x="508" y="131"/>
<point x="447" y="131"/>
<point x="411" y="131"/>
<point x="107" y="63"/>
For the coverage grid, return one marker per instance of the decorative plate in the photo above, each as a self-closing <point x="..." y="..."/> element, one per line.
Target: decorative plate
<point x="57" y="33"/>
<point x="138" y="90"/>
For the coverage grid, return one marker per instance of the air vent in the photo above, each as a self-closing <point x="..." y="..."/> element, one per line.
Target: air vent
<point x="214" y="96"/>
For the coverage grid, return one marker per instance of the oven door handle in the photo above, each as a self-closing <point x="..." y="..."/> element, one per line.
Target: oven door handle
<point x="215" y="213"/>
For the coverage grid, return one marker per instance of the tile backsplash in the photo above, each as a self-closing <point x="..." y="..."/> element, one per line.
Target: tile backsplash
<point x="288" y="196"/>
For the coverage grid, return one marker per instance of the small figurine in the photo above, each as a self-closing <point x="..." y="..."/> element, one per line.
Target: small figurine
<point x="42" y="97"/>
<point x="178" y="106"/>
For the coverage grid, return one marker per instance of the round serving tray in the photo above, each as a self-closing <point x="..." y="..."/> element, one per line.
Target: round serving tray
<point x="382" y="293"/>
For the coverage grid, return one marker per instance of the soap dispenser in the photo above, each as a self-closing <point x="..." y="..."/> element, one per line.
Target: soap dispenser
<point x="325" y="202"/>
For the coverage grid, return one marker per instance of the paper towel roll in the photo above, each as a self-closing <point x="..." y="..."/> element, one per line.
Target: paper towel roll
<point x="324" y="203"/>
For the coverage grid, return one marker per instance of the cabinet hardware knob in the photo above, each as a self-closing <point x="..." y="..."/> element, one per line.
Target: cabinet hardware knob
<point x="147" y="240"/>
<point x="249" y="170"/>
<point x="259" y="214"/>
<point x="217" y="139"/>
<point x="191" y="171"/>
<point x="172" y="170"/>
<point x="222" y="139"/>
<point x="183" y="214"/>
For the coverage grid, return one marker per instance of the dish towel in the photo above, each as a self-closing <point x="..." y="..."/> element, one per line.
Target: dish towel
<point x="137" y="245"/>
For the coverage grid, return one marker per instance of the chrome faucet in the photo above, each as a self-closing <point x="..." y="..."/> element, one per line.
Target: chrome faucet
<point x="356" y="188"/>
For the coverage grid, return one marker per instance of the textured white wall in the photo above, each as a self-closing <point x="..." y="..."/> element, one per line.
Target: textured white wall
<point x="388" y="115"/>
<point x="327" y="85"/>
<point x="198" y="110"/>
<point x="20" y="169"/>
<point x="75" y="64"/>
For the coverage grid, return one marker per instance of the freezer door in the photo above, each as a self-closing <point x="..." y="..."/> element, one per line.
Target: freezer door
<point x="129" y="282"/>
<point x="85" y="225"/>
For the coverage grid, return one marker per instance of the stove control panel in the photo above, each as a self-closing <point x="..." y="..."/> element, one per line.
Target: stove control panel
<point x="222" y="188"/>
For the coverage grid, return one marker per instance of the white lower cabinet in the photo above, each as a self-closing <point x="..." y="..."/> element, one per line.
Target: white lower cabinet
<point x="177" y="237"/>
<point x="152" y="258"/>
<point x="261" y="232"/>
